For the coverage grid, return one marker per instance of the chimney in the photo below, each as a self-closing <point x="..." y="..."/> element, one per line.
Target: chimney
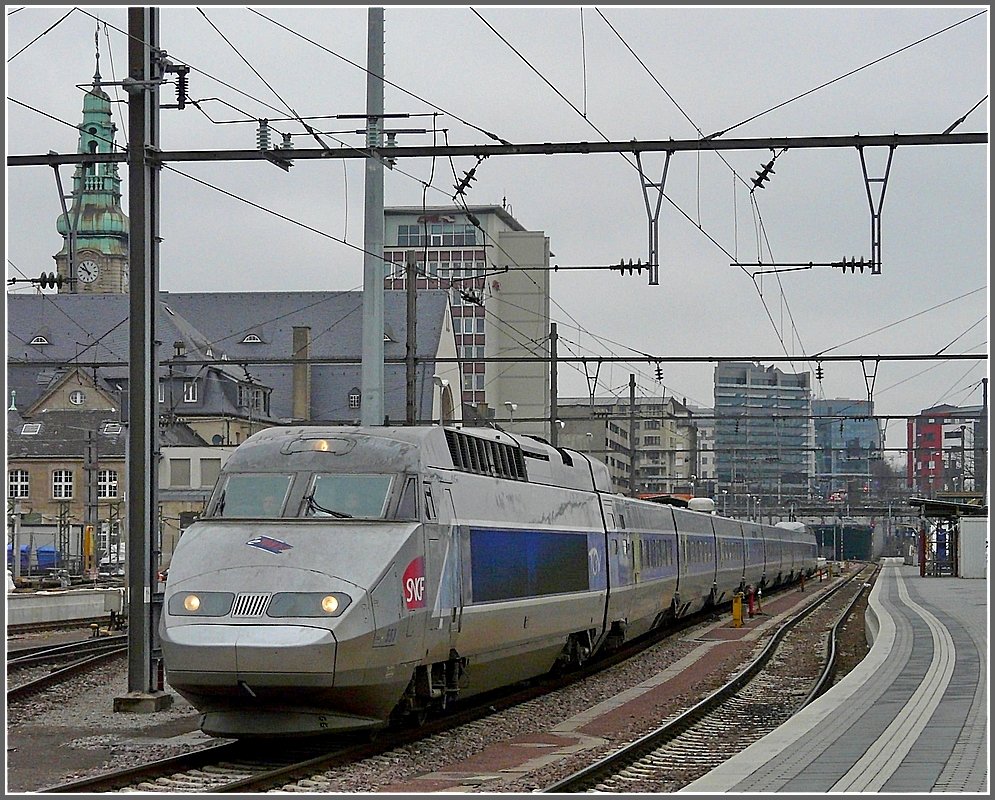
<point x="301" y="374"/>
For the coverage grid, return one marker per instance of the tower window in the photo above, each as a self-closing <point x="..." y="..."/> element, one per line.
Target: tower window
<point x="252" y="339"/>
<point x="40" y="340"/>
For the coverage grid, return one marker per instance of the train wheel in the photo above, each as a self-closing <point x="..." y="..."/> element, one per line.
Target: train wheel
<point x="418" y="718"/>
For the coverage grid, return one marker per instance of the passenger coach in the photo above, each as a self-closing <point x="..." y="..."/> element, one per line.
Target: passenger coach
<point x="344" y="577"/>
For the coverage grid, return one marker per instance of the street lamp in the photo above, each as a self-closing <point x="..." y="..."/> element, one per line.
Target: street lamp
<point x="590" y="438"/>
<point x="693" y="478"/>
<point x="512" y="408"/>
<point x="725" y="493"/>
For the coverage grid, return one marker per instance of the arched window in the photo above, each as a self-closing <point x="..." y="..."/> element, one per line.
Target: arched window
<point x="354" y="398"/>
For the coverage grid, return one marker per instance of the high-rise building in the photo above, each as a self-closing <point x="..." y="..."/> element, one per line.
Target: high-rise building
<point x="847" y="441"/>
<point x="947" y="450"/>
<point x="497" y="276"/>
<point x="763" y="433"/>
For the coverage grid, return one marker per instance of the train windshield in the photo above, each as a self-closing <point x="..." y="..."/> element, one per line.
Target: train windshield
<point x="253" y="495"/>
<point x="343" y="495"/>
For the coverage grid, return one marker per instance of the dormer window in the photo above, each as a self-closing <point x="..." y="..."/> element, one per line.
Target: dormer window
<point x="251" y="338"/>
<point x="40" y="340"/>
<point x="31" y="429"/>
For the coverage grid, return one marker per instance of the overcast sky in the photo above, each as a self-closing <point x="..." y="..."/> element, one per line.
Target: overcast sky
<point x="702" y="69"/>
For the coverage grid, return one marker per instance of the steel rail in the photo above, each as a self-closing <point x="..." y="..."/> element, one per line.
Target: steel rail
<point x="60" y="675"/>
<point x="615" y="762"/>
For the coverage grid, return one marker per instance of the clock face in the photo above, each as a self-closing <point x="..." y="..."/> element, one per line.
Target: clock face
<point x="87" y="271"/>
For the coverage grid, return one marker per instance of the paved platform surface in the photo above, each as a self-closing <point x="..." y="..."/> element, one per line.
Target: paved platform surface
<point x="912" y="717"/>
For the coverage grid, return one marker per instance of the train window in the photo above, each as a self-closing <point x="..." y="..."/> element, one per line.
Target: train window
<point x="407" y="504"/>
<point x="429" y="503"/>
<point x="344" y="495"/>
<point x="253" y="495"/>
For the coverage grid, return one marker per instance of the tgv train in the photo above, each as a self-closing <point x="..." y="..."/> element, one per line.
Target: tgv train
<point x="342" y="578"/>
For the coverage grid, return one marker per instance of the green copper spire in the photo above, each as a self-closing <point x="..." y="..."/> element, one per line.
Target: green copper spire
<point x="100" y="223"/>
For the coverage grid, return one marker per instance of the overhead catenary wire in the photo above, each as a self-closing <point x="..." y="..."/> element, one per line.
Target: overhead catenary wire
<point x="845" y="75"/>
<point x="561" y="307"/>
<point x="50" y="28"/>
<point x="815" y="356"/>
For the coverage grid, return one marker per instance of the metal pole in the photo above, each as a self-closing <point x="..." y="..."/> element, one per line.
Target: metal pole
<point x="410" y="278"/>
<point x="143" y="196"/>
<point x="15" y="545"/>
<point x="554" y="412"/>
<point x="372" y="409"/>
<point x="632" y="435"/>
<point x="91" y="516"/>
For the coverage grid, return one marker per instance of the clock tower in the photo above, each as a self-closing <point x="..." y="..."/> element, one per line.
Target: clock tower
<point x="94" y="258"/>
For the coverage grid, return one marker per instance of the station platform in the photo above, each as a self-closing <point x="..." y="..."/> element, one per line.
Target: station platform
<point x="912" y="717"/>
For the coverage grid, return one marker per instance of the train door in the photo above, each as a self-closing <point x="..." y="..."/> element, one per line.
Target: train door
<point x="620" y="556"/>
<point x="442" y="552"/>
<point x="453" y="573"/>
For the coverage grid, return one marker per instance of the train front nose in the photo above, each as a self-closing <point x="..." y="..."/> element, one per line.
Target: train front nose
<point x="250" y="654"/>
<point x="262" y="663"/>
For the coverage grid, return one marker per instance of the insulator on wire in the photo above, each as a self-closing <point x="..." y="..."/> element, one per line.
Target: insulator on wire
<point x="181" y="86"/>
<point x="263" y="135"/>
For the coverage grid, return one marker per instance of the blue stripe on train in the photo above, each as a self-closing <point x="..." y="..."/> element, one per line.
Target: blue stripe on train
<point x="508" y="564"/>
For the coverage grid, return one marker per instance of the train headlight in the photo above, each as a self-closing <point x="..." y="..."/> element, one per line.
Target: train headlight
<point x="308" y="604"/>
<point x="201" y="604"/>
<point x="329" y="604"/>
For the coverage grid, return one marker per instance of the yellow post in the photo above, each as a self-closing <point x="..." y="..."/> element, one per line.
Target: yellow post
<point x="89" y="556"/>
<point x="737" y="610"/>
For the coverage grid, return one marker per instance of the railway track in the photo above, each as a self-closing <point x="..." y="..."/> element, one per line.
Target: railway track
<point x="766" y="693"/>
<point x="247" y="766"/>
<point x="76" y="658"/>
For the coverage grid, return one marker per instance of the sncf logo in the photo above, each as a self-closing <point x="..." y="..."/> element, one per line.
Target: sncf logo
<point x="413" y="584"/>
<point x="269" y="544"/>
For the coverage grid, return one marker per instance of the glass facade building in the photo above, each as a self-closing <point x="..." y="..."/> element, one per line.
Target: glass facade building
<point x="763" y="433"/>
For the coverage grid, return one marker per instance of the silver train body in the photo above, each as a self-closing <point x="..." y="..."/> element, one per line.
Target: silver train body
<point x="342" y="577"/>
